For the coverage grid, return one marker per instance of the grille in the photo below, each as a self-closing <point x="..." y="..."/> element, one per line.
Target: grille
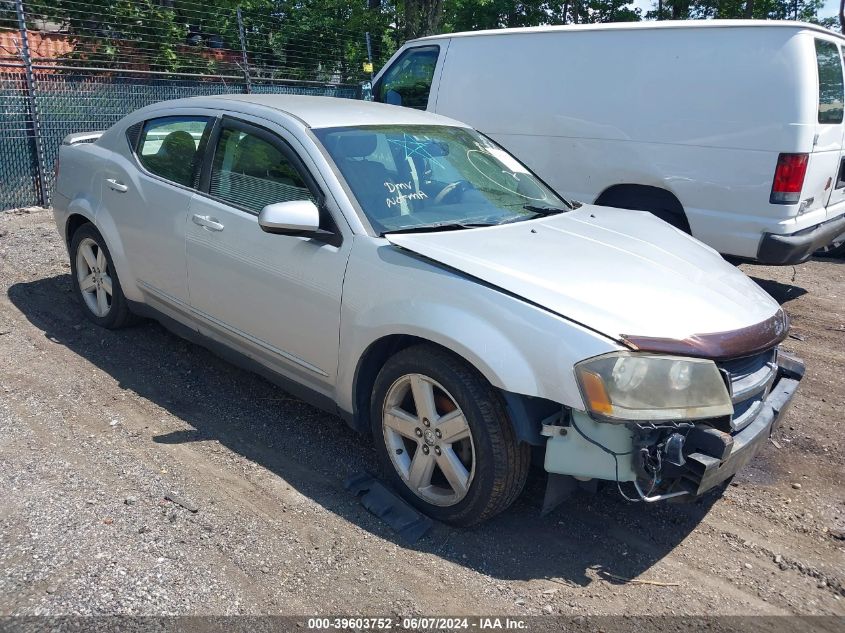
<point x="750" y="379"/>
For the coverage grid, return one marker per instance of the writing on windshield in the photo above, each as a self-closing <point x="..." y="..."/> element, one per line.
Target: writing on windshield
<point x="408" y="176"/>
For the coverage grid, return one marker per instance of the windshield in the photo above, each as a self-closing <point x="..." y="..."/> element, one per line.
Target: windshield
<point x="418" y="176"/>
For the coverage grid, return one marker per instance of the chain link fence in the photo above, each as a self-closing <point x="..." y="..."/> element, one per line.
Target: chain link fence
<point x="74" y="66"/>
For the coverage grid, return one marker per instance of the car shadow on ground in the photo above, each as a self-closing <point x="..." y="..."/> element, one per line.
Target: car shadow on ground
<point x="588" y="536"/>
<point x="780" y="292"/>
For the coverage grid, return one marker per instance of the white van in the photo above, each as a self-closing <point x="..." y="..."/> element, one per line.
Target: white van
<point x="730" y="130"/>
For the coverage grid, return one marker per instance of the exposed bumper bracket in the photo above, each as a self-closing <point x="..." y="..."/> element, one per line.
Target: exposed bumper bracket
<point x="707" y="470"/>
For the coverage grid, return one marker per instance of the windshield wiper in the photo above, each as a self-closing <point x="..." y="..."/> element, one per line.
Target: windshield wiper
<point x="444" y="226"/>
<point x="540" y="212"/>
<point x="543" y="211"/>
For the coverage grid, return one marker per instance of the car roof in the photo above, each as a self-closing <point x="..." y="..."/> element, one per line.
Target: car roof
<point x="319" y="112"/>
<point x="645" y="25"/>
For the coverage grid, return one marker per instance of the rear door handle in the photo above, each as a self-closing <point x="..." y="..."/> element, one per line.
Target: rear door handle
<point x="207" y="222"/>
<point x="117" y="186"/>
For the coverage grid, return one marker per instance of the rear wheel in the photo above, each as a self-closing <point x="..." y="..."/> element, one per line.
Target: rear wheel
<point x="444" y="438"/>
<point x="95" y="280"/>
<point x="835" y="249"/>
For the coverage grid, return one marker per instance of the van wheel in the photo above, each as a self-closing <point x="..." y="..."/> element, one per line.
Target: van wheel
<point x="95" y="280"/>
<point x="835" y="249"/>
<point x="656" y="201"/>
<point x="444" y="438"/>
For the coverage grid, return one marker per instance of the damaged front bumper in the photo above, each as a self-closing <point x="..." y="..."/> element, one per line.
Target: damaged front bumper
<point x="674" y="460"/>
<point x="722" y="455"/>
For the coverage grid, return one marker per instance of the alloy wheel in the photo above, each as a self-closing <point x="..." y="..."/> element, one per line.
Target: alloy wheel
<point x="428" y="439"/>
<point x="92" y="274"/>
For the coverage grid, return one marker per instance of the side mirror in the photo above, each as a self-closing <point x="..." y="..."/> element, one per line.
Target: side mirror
<point x="297" y="217"/>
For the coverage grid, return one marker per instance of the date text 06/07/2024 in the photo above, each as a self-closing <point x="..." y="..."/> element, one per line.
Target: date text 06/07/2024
<point x="417" y="623"/>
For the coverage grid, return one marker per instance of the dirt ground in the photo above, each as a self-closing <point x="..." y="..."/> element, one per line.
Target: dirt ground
<point x="96" y="427"/>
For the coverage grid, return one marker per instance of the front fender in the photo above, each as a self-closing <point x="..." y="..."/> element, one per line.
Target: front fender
<point x="517" y="346"/>
<point x="465" y="334"/>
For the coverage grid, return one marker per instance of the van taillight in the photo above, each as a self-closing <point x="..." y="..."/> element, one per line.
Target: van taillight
<point x="789" y="178"/>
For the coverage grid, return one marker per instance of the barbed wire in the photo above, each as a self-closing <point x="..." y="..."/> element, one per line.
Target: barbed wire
<point x="90" y="63"/>
<point x="190" y="39"/>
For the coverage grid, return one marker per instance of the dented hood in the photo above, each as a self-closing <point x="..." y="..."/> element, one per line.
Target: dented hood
<point x="621" y="273"/>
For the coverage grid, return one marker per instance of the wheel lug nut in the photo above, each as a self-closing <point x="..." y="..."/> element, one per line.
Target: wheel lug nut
<point x="425" y="449"/>
<point x="418" y="432"/>
<point x="437" y="450"/>
<point x="426" y="422"/>
<point x="438" y="433"/>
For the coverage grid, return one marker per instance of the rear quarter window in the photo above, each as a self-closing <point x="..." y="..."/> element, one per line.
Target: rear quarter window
<point x="831" y="86"/>
<point x="169" y="147"/>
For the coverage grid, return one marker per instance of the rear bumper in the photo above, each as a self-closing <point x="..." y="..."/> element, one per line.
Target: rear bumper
<point x="793" y="248"/>
<point x="726" y="454"/>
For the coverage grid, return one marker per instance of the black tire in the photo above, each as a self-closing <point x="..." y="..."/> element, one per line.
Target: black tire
<point x="501" y="463"/>
<point x="835" y="249"/>
<point x="119" y="314"/>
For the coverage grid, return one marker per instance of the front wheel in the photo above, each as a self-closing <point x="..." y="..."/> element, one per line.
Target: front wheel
<point x="444" y="438"/>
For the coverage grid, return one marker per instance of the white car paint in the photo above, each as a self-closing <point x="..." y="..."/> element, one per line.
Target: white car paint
<point x="700" y="109"/>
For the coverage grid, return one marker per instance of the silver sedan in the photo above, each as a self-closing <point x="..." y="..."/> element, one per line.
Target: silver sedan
<point x="404" y="271"/>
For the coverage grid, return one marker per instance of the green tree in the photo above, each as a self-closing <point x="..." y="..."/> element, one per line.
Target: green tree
<point x="319" y="40"/>
<point x="324" y="40"/>
<point x="471" y="15"/>
<point x="805" y="10"/>
<point x="122" y="34"/>
<point x="312" y="39"/>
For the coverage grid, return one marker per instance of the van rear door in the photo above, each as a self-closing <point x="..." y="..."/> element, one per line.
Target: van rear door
<point x="824" y="173"/>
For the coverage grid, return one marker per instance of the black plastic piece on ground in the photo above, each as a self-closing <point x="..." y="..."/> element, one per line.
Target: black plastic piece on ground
<point x="409" y="524"/>
<point x="559" y="488"/>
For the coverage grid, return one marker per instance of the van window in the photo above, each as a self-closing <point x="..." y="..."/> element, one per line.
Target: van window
<point x="408" y="81"/>
<point x="831" y="86"/>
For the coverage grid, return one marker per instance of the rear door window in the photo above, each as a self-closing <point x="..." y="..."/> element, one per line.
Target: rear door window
<point x="831" y="85"/>
<point x="168" y="147"/>
<point x="408" y="81"/>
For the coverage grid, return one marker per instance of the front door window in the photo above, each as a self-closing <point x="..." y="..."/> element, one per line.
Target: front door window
<point x="250" y="172"/>
<point x="408" y="81"/>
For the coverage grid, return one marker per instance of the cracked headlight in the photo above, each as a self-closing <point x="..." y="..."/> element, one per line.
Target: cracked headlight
<point x="639" y="386"/>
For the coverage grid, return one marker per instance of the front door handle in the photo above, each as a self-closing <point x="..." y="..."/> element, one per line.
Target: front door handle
<point x="207" y="222"/>
<point x="117" y="186"/>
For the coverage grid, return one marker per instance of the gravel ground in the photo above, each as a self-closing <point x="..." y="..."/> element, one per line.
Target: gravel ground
<point x="97" y="427"/>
